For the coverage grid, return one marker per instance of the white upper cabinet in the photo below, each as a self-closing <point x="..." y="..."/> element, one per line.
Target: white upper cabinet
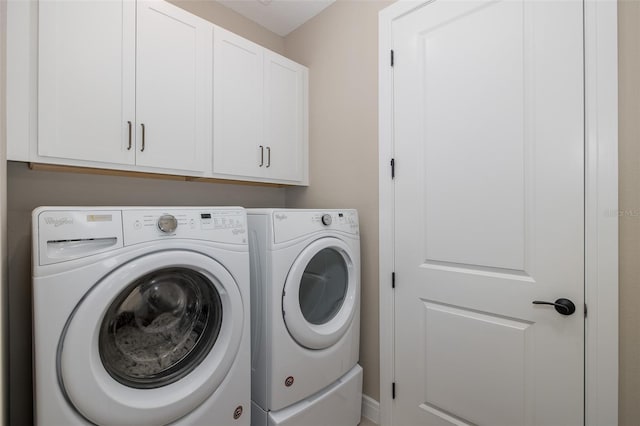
<point x="237" y="105"/>
<point x="86" y="88"/>
<point x="143" y="85"/>
<point x="116" y="90"/>
<point x="171" y="87"/>
<point x="259" y="112"/>
<point x="285" y="112"/>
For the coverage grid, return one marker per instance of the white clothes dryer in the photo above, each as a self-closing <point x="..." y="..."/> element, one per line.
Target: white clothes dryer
<point x="305" y="324"/>
<point x="141" y="316"/>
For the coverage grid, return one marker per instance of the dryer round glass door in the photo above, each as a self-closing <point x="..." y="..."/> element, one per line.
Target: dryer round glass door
<point x="152" y="340"/>
<point x="321" y="292"/>
<point x="323" y="286"/>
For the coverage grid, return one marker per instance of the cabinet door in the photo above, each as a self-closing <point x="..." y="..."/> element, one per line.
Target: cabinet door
<point x="238" y="147"/>
<point x="171" y="87"/>
<point x="285" y="117"/>
<point x="86" y="73"/>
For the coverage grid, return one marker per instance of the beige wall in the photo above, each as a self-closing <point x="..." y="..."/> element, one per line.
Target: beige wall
<point x="340" y="47"/>
<point x="629" y="181"/>
<point x="233" y="21"/>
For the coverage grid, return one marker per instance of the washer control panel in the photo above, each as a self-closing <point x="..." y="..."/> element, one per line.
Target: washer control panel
<point x="291" y="224"/>
<point x="220" y="225"/>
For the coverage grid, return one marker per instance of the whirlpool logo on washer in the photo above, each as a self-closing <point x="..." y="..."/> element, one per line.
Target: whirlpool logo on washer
<point x="58" y="221"/>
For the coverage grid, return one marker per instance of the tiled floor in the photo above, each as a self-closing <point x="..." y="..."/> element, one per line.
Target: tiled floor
<point x="366" y="422"/>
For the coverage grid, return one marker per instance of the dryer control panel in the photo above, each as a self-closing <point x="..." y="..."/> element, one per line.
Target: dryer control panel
<point x="291" y="224"/>
<point x="219" y="225"/>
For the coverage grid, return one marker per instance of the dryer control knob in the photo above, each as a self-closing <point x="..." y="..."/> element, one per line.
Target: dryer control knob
<point x="326" y="219"/>
<point x="167" y="223"/>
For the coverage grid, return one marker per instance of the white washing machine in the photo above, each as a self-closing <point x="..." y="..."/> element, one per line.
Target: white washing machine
<point x="305" y="324"/>
<point x="141" y="316"/>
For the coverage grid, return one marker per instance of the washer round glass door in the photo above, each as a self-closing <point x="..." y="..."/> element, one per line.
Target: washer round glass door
<point x="320" y="294"/>
<point x="160" y="328"/>
<point x="152" y="340"/>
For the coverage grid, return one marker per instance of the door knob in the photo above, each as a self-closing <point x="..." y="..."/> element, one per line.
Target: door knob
<point x="563" y="306"/>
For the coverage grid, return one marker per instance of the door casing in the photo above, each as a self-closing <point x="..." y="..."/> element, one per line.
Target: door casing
<point x="601" y="209"/>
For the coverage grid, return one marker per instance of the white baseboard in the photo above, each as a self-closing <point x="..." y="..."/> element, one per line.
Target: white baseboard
<point x="370" y="409"/>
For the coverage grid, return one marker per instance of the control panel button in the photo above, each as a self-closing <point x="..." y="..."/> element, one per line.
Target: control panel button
<point x="167" y="223"/>
<point x="326" y="219"/>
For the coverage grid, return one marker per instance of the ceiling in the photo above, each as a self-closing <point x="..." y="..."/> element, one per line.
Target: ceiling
<point x="278" y="16"/>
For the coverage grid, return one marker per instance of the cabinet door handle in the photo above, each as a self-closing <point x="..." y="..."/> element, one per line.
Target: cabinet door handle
<point x="129" y="147"/>
<point x="142" y="147"/>
<point x="261" y="155"/>
<point x="268" y="156"/>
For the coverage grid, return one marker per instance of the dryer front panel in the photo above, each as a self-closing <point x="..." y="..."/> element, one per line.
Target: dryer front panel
<point x="320" y="294"/>
<point x="152" y="340"/>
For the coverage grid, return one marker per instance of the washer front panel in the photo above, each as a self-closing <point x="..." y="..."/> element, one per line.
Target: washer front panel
<point x="320" y="294"/>
<point x="152" y="399"/>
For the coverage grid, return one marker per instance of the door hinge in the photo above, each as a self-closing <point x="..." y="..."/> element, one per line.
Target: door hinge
<point x="393" y="390"/>
<point x="585" y="310"/>
<point x="393" y="280"/>
<point x="391" y="57"/>
<point x="393" y="168"/>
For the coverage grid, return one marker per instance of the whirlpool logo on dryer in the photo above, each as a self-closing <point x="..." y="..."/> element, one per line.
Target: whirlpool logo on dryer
<point x="58" y="221"/>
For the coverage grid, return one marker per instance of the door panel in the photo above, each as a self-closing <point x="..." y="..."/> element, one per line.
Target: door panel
<point x="468" y="164"/>
<point x="284" y="121"/>
<point x="237" y="106"/>
<point x="170" y="77"/>
<point x="86" y="70"/>
<point x="466" y="351"/>
<point x="488" y="140"/>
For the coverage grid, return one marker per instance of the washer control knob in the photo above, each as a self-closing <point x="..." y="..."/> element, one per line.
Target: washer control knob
<point x="326" y="219"/>
<point x="167" y="223"/>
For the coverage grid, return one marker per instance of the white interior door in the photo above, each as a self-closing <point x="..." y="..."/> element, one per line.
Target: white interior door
<point x="489" y="213"/>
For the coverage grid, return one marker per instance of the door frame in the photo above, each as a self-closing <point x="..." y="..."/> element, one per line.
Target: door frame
<point x="601" y="209"/>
